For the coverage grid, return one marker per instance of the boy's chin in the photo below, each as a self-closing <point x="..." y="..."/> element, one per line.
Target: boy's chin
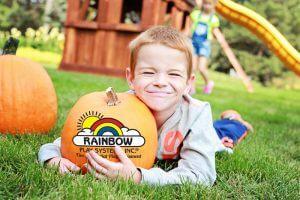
<point x="158" y="104"/>
<point x="158" y="107"/>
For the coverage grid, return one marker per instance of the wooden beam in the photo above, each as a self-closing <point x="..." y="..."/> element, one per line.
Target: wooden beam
<point x="114" y="11"/>
<point x="147" y="13"/>
<point x="102" y="11"/>
<point x="70" y="45"/>
<point x="72" y="11"/>
<point x="83" y="9"/>
<point x="107" y="26"/>
<point x="162" y="11"/>
<point x="181" y="5"/>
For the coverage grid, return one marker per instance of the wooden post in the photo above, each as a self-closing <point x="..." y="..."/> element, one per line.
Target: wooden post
<point x="114" y="11"/>
<point x="72" y="11"/>
<point x="83" y="9"/>
<point x="102" y="11"/>
<point x="162" y="11"/>
<point x="147" y="18"/>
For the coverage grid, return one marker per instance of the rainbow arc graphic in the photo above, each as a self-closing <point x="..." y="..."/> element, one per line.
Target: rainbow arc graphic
<point x="105" y="125"/>
<point x="98" y="131"/>
<point x="100" y="126"/>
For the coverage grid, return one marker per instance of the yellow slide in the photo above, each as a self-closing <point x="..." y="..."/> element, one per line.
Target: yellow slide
<point x="263" y="29"/>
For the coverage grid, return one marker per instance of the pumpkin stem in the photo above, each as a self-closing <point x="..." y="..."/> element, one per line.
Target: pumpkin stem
<point x="10" y="46"/>
<point x="112" y="97"/>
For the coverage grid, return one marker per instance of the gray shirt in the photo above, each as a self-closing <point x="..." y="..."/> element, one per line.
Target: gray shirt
<point x="188" y="135"/>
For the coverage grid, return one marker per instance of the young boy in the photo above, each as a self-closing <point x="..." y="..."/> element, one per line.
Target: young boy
<point x="160" y="74"/>
<point x="203" y="23"/>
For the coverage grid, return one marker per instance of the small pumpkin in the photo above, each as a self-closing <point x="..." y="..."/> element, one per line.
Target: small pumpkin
<point x="28" y="101"/>
<point x="101" y="120"/>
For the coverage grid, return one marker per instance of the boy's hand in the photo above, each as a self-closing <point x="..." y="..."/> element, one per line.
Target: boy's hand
<point x="103" y="168"/>
<point x="64" y="165"/>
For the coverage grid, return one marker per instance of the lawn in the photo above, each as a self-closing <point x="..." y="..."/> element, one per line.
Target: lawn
<point x="47" y="58"/>
<point x="264" y="166"/>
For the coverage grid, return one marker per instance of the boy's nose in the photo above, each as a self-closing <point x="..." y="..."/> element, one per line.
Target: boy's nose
<point x="160" y="80"/>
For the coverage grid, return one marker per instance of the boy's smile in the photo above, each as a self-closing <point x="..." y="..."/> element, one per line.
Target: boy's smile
<point x="160" y="77"/>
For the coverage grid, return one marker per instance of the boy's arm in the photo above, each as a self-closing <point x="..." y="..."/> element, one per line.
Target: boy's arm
<point x="49" y="150"/>
<point x="197" y="157"/>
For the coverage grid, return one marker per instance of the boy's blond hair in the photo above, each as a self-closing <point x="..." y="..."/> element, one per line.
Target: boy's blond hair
<point x="164" y="35"/>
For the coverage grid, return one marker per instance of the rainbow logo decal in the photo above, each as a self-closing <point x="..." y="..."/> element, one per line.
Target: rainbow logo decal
<point x="107" y="125"/>
<point x="96" y="130"/>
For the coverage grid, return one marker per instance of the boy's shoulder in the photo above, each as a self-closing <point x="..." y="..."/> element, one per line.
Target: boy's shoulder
<point x="199" y="118"/>
<point x="195" y="104"/>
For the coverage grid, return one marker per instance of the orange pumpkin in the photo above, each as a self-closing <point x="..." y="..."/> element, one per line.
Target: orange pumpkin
<point x="100" y="120"/>
<point x="28" y="100"/>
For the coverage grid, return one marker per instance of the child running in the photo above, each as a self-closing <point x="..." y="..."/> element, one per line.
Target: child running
<point x="203" y="23"/>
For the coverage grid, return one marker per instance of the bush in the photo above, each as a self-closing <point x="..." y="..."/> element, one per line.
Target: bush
<point x="21" y="14"/>
<point x="43" y="38"/>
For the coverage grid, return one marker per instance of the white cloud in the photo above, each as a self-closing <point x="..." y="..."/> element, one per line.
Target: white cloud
<point x="127" y="131"/>
<point x="86" y="131"/>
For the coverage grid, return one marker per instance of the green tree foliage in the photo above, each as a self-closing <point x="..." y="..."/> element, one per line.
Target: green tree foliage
<point x="21" y="14"/>
<point x="258" y="61"/>
<point x="55" y="12"/>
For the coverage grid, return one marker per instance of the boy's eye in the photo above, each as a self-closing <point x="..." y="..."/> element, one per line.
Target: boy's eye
<point x="148" y="73"/>
<point x="174" y="74"/>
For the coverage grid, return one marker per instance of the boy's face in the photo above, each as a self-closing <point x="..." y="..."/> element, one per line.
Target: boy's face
<point x="160" y="77"/>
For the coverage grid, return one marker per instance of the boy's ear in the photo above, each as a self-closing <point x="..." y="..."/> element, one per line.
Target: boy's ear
<point x="129" y="78"/>
<point x="190" y="83"/>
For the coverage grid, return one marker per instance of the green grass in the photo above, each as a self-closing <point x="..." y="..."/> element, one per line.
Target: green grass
<point x="264" y="166"/>
<point x="48" y="59"/>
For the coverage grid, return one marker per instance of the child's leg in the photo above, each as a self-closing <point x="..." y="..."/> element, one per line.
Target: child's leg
<point x="232" y="128"/>
<point x="234" y="115"/>
<point x="203" y="61"/>
<point x="202" y="66"/>
<point x="230" y="132"/>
